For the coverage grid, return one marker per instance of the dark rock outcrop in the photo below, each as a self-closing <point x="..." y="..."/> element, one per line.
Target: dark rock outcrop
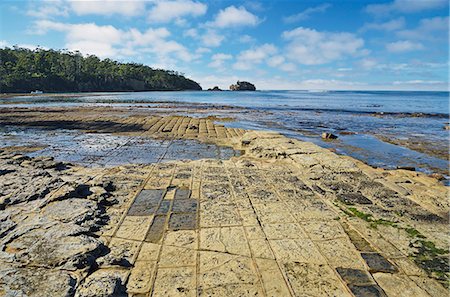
<point x="216" y="88"/>
<point x="243" y="86"/>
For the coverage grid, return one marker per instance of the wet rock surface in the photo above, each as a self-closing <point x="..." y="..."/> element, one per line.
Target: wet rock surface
<point x="287" y="218"/>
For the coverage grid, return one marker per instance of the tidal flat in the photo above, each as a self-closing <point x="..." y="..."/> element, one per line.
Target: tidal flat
<point x="126" y="201"/>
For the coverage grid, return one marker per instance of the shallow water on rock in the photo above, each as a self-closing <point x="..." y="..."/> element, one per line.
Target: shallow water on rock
<point x="107" y="150"/>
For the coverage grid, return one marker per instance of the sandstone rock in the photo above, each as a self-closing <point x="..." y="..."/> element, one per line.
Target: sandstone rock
<point x="35" y="282"/>
<point x="328" y="136"/>
<point x="102" y="283"/>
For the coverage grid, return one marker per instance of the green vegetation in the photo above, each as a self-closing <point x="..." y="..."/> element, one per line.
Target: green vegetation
<point x="23" y="70"/>
<point x="432" y="259"/>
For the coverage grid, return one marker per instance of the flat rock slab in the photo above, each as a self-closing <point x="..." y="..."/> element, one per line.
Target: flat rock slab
<point x="377" y="263"/>
<point x="353" y="198"/>
<point x="146" y="203"/>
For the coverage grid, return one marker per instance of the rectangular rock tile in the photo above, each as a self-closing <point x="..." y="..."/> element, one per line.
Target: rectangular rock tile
<point x="272" y="279"/>
<point x="301" y="250"/>
<point x="134" y="227"/>
<point x="225" y="239"/>
<point x="353" y="198"/>
<point x="283" y="231"/>
<point x="355" y="276"/>
<point x="224" y="274"/>
<point x="358" y="241"/>
<point x="141" y="275"/>
<point x="249" y="218"/>
<point x="260" y="195"/>
<point x="306" y="211"/>
<point x="156" y="231"/>
<point x="164" y="207"/>
<point x="146" y="203"/>
<point x="173" y="256"/>
<point x="183" y="221"/>
<point x="307" y="279"/>
<point x="215" y="215"/>
<point x="398" y="285"/>
<point x="341" y="253"/>
<point x="273" y="213"/>
<point x="260" y="249"/>
<point x="367" y="291"/>
<point x="377" y="263"/>
<point x="185" y="205"/>
<point x="181" y="238"/>
<point x="324" y="230"/>
<point x="255" y="232"/>
<point x="182" y="194"/>
<point x="149" y="252"/>
<point x="179" y="281"/>
<point x="430" y="285"/>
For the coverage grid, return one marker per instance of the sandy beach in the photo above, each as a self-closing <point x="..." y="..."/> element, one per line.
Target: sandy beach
<point x="219" y="211"/>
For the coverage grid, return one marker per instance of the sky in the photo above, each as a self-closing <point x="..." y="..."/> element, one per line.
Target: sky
<point x="285" y="45"/>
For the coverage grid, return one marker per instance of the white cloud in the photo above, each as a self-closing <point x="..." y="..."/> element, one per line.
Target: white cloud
<point x="275" y="61"/>
<point x="166" y="11"/>
<point x="191" y="33"/>
<point x="4" y="43"/>
<point x="311" y="47"/>
<point x="219" y="59"/>
<point x="405" y="6"/>
<point x="246" y="39"/>
<point x="306" y="14"/>
<point x="403" y="46"/>
<point x="202" y="50"/>
<point x="367" y="63"/>
<point x="288" y="67"/>
<point x="108" y="41"/>
<point x="247" y="59"/>
<point x="234" y="17"/>
<point x="46" y="9"/>
<point x="107" y="7"/>
<point x="427" y="29"/>
<point x="392" y="25"/>
<point x="212" y="39"/>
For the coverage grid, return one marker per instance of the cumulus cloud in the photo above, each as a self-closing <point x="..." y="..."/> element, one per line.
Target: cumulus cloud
<point x="166" y="11"/>
<point x="234" y="17"/>
<point x="427" y="29"/>
<point x="212" y="39"/>
<point x="403" y="46"/>
<point x="392" y="25"/>
<point x="107" y="7"/>
<point x="246" y="39"/>
<point x="247" y="59"/>
<point x="108" y="41"/>
<point x="306" y="14"/>
<point x="53" y="8"/>
<point x="311" y="47"/>
<point x="405" y="6"/>
<point x="218" y="60"/>
<point x="47" y="9"/>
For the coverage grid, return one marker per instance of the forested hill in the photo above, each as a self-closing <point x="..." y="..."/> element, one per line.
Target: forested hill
<point x="24" y="70"/>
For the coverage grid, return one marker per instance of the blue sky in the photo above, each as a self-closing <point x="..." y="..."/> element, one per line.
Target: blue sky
<point x="379" y="45"/>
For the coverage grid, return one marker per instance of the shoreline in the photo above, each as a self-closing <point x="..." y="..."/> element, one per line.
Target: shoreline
<point x="250" y="224"/>
<point x="228" y="115"/>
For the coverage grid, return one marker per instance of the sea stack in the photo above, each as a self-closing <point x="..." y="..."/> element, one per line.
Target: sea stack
<point x="243" y="86"/>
